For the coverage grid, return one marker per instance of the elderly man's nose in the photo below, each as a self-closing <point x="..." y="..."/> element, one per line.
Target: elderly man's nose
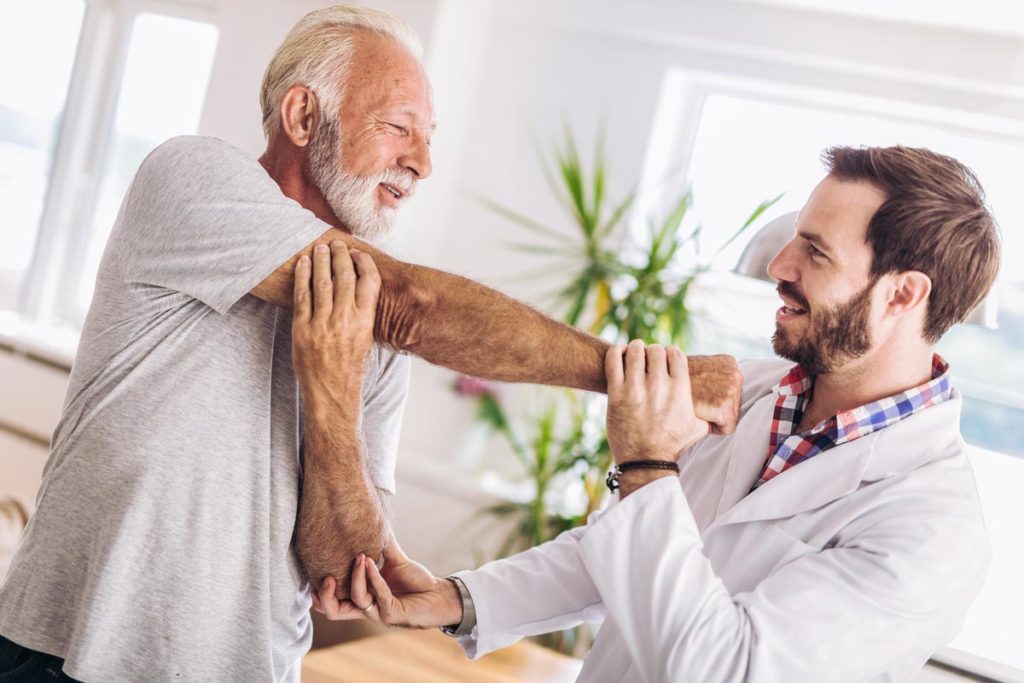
<point x="417" y="159"/>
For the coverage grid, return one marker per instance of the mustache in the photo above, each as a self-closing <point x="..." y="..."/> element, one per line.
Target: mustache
<point x="788" y="290"/>
<point x="404" y="181"/>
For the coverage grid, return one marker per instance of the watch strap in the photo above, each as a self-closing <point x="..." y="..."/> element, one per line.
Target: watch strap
<point x="468" y="623"/>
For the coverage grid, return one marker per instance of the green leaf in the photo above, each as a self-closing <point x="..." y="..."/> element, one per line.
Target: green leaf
<point x="617" y="213"/>
<point x="524" y="221"/>
<point x="761" y="208"/>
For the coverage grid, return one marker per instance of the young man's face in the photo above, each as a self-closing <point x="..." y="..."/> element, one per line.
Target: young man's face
<point x="824" y="278"/>
<point x="373" y="151"/>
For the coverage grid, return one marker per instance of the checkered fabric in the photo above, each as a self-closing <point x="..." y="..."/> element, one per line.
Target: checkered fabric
<point x="787" y="448"/>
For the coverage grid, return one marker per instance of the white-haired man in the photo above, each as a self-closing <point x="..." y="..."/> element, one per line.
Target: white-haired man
<point x="162" y="546"/>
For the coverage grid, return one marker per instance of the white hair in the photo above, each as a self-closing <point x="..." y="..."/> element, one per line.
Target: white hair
<point x="316" y="53"/>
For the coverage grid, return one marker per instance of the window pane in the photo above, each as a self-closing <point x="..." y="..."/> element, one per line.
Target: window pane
<point x="161" y="97"/>
<point x="37" y="48"/>
<point x="748" y="150"/>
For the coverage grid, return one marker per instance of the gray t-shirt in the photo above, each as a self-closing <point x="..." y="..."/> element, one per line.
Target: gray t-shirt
<point x="161" y="548"/>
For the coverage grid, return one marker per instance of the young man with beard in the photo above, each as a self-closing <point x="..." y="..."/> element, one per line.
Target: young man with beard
<point x="162" y="546"/>
<point x="836" y="535"/>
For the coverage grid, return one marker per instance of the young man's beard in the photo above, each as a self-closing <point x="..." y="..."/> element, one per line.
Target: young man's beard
<point x="834" y="336"/>
<point x="352" y="198"/>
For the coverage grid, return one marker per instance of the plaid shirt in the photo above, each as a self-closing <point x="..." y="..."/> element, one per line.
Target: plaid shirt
<point x="787" y="448"/>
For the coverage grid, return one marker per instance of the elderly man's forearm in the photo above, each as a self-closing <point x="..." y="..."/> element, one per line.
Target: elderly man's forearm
<point x="340" y="511"/>
<point x="458" y="323"/>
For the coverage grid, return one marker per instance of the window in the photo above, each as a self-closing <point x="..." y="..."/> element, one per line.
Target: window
<point x="746" y="148"/>
<point x="33" y="85"/>
<point x="74" y="126"/>
<point x="160" y="98"/>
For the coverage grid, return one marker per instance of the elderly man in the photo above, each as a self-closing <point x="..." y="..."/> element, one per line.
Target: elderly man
<point x="162" y="546"/>
<point x="837" y="534"/>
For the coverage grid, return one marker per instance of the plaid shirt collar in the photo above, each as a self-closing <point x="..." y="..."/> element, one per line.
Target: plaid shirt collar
<point x="787" y="448"/>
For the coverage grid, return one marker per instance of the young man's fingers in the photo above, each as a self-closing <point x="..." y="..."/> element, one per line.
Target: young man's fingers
<point x="323" y="288"/>
<point x="329" y="604"/>
<point x="678" y="366"/>
<point x="636" y="364"/>
<point x="302" y="297"/>
<point x="393" y="552"/>
<point x="368" y="282"/>
<point x="614" y="367"/>
<point x="386" y="603"/>
<point x="359" y="592"/>
<point x="657" y="364"/>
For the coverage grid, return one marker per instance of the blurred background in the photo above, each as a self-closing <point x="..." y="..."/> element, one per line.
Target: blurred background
<point x="727" y="103"/>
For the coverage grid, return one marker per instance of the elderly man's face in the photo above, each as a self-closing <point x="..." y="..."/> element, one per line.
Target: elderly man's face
<point x="824" y="278"/>
<point x="368" y="157"/>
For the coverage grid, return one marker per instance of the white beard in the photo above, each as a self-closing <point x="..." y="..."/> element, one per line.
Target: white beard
<point x="354" y="198"/>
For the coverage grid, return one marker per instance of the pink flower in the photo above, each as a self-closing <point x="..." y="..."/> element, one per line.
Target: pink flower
<point x="473" y="387"/>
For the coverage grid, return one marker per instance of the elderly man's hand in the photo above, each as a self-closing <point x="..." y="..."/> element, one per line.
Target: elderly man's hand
<point x="716" y="384"/>
<point x="332" y="326"/>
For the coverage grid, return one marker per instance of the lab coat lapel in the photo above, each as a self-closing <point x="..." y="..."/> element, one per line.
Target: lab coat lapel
<point x="746" y="453"/>
<point x="807" y="486"/>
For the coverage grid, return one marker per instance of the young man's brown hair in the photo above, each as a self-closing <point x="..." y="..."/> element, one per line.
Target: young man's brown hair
<point x="934" y="220"/>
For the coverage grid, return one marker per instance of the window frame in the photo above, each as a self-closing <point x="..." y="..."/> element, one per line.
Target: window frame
<point x="81" y="153"/>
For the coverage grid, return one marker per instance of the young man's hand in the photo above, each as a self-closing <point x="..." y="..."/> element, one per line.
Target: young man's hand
<point x="650" y="411"/>
<point x="332" y="326"/>
<point x="403" y="593"/>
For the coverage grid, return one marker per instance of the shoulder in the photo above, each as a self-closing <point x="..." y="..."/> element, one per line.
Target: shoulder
<point x="192" y="148"/>
<point x="196" y="161"/>
<point x="189" y="169"/>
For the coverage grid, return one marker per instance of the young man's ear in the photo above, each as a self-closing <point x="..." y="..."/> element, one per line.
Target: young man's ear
<point x="300" y="114"/>
<point x="910" y="290"/>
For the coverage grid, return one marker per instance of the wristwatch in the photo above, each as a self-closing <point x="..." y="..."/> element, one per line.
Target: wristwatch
<point x="468" y="623"/>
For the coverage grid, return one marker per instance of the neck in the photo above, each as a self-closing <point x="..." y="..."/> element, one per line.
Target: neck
<point x="886" y="370"/>
<point x="289" y="169"/>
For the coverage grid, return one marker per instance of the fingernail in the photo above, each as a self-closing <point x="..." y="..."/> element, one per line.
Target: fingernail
<point x="303" y="260"/>
<point x="337" y="243"/>
<point x="321" y="247"/>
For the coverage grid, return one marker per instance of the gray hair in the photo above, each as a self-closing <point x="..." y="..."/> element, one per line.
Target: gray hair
<point x="316" y="53"/>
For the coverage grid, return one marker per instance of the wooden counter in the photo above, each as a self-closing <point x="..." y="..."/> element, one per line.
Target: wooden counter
<point x="432" y="657"/>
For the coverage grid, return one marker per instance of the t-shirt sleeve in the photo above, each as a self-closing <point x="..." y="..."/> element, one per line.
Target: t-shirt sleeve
<point x="383" y="407"/>
<point x="203" y="218"/>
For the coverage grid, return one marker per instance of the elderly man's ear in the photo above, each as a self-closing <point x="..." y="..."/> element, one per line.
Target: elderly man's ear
<point x="300" y="114"/>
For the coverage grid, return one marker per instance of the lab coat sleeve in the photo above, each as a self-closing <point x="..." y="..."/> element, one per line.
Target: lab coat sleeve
<point x="844" y="613"/>
<point x="540" y="590"/>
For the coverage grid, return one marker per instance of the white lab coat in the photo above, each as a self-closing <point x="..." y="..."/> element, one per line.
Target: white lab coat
<point x="854" y="565"/>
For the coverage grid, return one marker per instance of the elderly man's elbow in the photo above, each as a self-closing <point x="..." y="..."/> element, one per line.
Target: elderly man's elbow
<point x="401" y="311"/>
<point x="321" y="558"/>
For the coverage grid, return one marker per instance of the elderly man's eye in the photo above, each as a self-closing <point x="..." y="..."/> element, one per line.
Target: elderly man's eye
<point x="396" y="127"/>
